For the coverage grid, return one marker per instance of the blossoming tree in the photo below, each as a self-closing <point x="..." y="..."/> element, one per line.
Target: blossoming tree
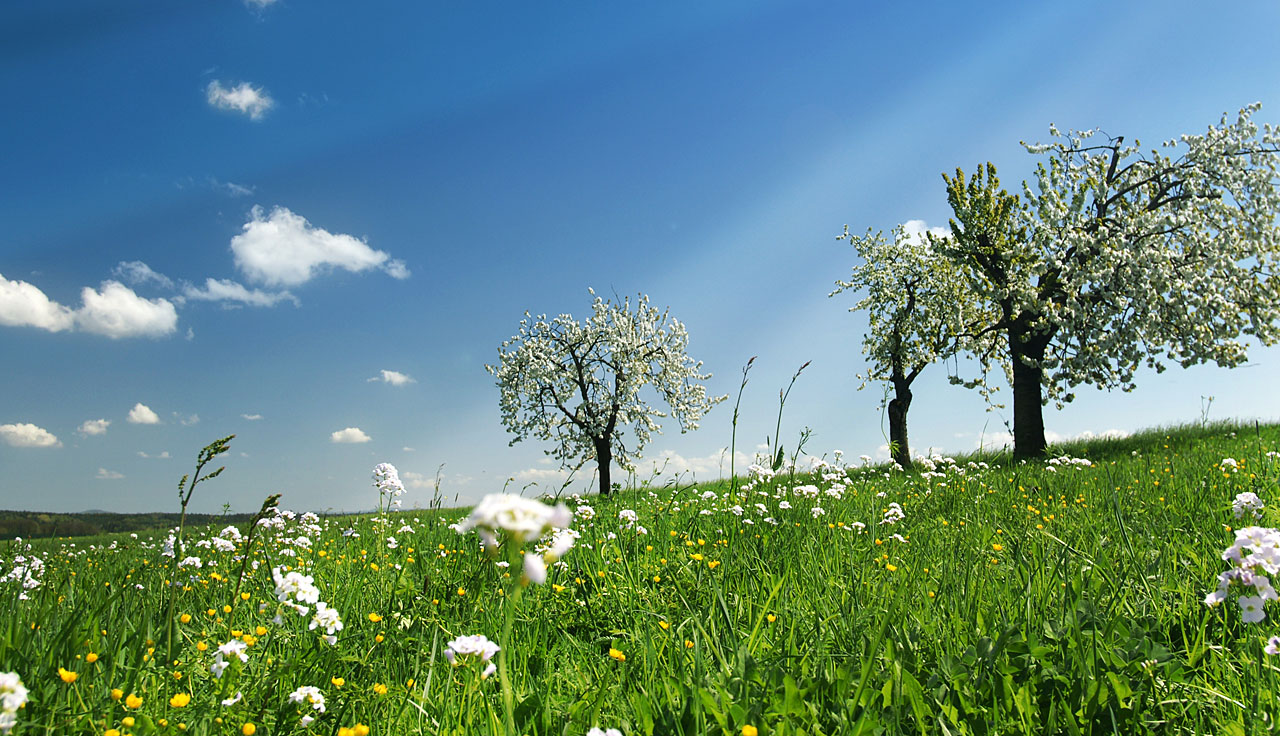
<point x="578" y="384"/>
<point x="918" y="306"/>
<point x="1117" y="258"/>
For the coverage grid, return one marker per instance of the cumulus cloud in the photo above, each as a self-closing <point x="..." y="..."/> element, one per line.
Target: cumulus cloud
<point x="137" y="273"/>
<point x="350" y="435"/>
<point x="916" y="229"/>
<point x="27" y="435"/>
<point x="283" y="249"/>
<point x="162" y="456"/>
<point x="395" y="378"/>
<point x="25" y="305"/>
<point x="226" y="290"/>
<point x="187" y="421"/>
<point x="417" y="480"/>
<point x="671" y="463"/>
<point x="115" y="312"/>
<point x="118" y="312"/>
<point x="243" y="98"/>
<point x="94" y="426"/>
<point x="142" y="414"/>
<point x="104" y="474"/>
<point x="251" y="417"/>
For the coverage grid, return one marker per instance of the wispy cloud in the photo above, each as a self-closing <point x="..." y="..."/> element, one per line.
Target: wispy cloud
<point x="162" y="456"/>
<point x="94" y="427"/>
<point x="226" y="290"/>
<point x="142" y="414"/>
<point x="251" y="417"/>
<point x="27" y="435"/>
<point x="350" y="435"/>
<point x="187" y="421"/>
<point x="283" y="249"/>
<point x="395" y="378"/>
<point x="236" y="190"/>
<point x="243" y="98"/>
<point x="136" y="273"/>
<point x="104" y="474"/>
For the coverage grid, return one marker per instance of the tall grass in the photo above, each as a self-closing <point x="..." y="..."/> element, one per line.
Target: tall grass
<point x="1011" y="598"/>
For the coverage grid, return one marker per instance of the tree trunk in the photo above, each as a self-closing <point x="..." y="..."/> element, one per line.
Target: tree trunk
<point x="604" y="458"/>
<point x="1028" y="394"/>
<point x="898" y="407"/>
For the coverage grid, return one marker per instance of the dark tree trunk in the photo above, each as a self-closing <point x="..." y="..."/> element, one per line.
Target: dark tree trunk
<point x="898" y="407"/>
<point x="604" y="458"/>
<point x="1028" y="394"/>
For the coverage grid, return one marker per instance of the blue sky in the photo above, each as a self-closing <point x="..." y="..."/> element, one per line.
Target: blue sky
<point x="399" y="182"/>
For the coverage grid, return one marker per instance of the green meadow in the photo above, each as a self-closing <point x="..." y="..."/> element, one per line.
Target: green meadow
<point x="971" y="595"/>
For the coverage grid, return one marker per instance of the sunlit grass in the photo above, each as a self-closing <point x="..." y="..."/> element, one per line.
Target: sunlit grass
<point x="1009" y="598"/>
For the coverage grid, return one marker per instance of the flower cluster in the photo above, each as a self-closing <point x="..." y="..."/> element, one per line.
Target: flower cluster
<point x="464" y="649"/>
<point x="1247" y="503"/>
<point x="13" y="695"/>
<point x="893" y="514"/>
<point x="234" y="649"/>
<point x="1254" y="555"/>
<point x="27" y="570"/>
<point x="293" y="590"/>
<point x="387" y="480"/>
<point x="308" y="695"/>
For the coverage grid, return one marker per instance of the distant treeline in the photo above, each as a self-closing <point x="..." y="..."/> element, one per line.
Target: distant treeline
<point x="36" y="524"/>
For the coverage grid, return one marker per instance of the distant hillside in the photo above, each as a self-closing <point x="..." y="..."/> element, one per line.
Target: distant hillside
<point x="37" y="524"/>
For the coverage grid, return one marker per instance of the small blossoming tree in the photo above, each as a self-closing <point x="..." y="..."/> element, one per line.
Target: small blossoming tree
<point x="578" y="384"/>
<point x="918" y="305"/>
<point x="1115" y="258"/>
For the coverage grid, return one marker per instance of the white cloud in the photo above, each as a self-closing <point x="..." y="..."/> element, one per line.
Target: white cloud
<point x="554" y="476"/>
<point x="417" y="480"/>
<point x="259" y="4"/>
<point x="190" y="421"/>
<point x="242" y="98"/>
<point x="104" y="474"/>
<point x="227" y="290"/>
<point x="283" y="249"/>
<point x="1108" y="434"/>
<point x="162" y="456"/>
<point x="27" y="435"/>
<point x="395" y="378"/>
<point x="118" y="312"/>
<point x="350" y="435"/>
<point x="234" y="189"/>
<point x="142" y="414"/>
<point x="115" y="312"/>
<point x="251" y="417"/>
<point x="915" y="230"/>
<point x="137" y="272"/>
<point x="94" y="426"/>
<point x="1001" y="440"/>
<point x="407" y="449"/>
<point x="25" y="305"/>
<point x="714" y="465"/>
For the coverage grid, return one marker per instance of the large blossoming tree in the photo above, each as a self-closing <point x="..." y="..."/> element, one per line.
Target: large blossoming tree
<point x="918" y="306"/>
<point x="1115" y="258"/>
<point x="579" y="385"/>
